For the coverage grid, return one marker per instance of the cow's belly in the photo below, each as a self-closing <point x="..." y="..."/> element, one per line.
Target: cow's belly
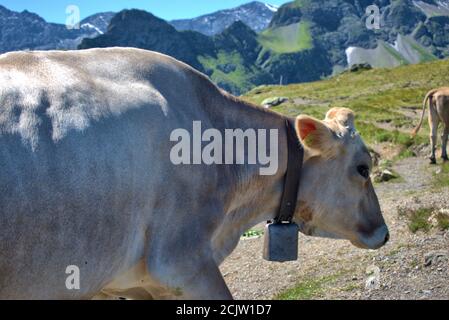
<point x="84" y="201"/>
<point x="135" y="284"/>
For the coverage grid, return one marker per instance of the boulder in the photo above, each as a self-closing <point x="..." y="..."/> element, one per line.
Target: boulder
<point x="435" y="257"/>
<point x="383" y="175"/>
<point x="360" y="67"/>
<point x="273" y="102"/>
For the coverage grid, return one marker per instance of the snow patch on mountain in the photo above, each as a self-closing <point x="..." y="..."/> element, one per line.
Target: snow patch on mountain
<point x="439" y="8"/>
<point x="272" y="7"/>
<point x="90" y="26"/>
<point x="379" y="57"/>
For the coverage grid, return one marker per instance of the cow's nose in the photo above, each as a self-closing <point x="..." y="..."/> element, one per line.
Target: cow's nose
<point x="387" y="237"/>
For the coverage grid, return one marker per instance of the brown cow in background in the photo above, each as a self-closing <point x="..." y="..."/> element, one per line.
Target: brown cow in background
<point x="438" y="112"/>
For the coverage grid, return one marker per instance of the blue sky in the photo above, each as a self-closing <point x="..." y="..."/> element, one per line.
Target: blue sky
<point x="55" y="10"/>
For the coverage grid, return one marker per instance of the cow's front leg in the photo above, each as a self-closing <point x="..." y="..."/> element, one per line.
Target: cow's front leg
<point x="444" y="138"/>
<point x="192" y="278"/>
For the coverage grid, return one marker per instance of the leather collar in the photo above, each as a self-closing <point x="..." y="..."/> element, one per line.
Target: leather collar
<point x="292" y="176"/>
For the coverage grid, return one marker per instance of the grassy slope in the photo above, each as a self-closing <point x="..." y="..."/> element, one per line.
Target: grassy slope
<point x="287" y="39"/>
<point x="396" y="55"/>
<point x="300" y="3"/>
<point x="382" y="98"/>
<point x="425" y="56"/>
<point x="240" y="77"/>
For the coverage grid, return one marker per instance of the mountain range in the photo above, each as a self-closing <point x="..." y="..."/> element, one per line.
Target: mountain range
<point x="256" y="15"/>
<point x="256" y="43"/>
<point x="28" y="31"/>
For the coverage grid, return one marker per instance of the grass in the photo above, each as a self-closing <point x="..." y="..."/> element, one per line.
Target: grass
<point x="299" y="3"/>
<point x="441" y="179"/>
<point x="405" y="153"/>
<point x="287" y="39"/>
<point x="419" y="220"/>
<point x="373" y="134"/>
<point x="424" y="219"/>
<point x="253" y="233"/>
<point x="425" y="55"/>
<point x="414" y="263"/>
<point x="378" y="96"/>
<point x="395" y="54"/>
<point x="307" y="289"/>
<point x="239" y="76"/>
<point x="442" y="221"/>
<point x="351" y="287"/>
<point x="396" y="250"/>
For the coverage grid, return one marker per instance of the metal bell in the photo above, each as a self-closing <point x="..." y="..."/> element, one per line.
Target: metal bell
<point x="281" y="242"/>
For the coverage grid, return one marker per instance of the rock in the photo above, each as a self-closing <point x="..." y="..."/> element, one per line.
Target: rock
<point x="383" y="175"/>
<point x="259" y="89"/>
<point x="371" y="284"/>
<point x="433" y="221"/>
<point x="373" y="281"/>
<point x="375" y="156"/>
<point x="273" y="101"/>
<point x="435" y="257"/>
<point x="360" y="67"/>
<point x="446" y="235"/>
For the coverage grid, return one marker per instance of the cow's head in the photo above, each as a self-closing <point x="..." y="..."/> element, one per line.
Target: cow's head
<point x="337" y="198"/>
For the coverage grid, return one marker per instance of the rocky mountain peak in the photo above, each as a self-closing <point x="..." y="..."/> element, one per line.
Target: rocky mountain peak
<point x="257" y="15"/>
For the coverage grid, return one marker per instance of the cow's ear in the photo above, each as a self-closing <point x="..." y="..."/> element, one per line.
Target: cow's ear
<point x="315" y="135"/>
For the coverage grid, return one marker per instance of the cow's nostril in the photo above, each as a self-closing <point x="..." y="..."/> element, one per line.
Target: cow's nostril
<point x="387" y="237"/>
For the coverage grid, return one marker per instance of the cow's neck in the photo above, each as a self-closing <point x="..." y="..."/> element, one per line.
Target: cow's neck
<point x="254" y="198"/>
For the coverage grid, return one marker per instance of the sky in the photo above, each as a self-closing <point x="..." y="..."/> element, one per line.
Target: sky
<point x="55" y="10"/>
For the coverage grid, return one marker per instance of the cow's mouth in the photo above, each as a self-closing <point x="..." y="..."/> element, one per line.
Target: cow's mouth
<point x="312" y="231"/>
<point x="375" y="241"/>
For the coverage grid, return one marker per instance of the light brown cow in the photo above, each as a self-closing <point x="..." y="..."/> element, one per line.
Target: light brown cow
<point x="87" y="177"/>
<point x="344" y="116"/>
<point x="438" y="112"/>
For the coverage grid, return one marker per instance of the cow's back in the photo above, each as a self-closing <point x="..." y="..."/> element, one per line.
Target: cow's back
<point x="83" y="141"/>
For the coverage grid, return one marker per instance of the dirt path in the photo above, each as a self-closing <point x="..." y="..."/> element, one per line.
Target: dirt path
<point x="331" y="269"/>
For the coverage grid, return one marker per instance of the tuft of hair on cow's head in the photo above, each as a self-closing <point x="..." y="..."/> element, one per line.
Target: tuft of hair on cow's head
<point x="343" y="116"/>
<point x="336" y="197"/>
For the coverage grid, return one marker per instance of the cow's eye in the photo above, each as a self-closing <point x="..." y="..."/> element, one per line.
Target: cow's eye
<point x="363" y="170"/>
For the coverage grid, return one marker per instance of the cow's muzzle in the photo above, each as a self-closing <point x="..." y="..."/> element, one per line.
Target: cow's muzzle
<point x="375" y="240"/>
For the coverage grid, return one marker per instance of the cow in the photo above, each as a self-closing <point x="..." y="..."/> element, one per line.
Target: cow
<point x="88" y="188"/>
<point x="344" y="116"/>
<point x="438" y="112"/>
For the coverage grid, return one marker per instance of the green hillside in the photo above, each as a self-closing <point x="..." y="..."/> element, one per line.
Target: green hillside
<point x="287" y="39"/>
<point x="387" y="101"/>
<point x="228" y="70"/>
